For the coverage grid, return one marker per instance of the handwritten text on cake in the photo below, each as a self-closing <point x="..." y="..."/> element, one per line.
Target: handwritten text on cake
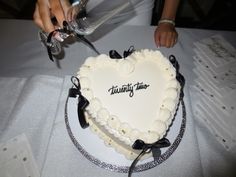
<point x="130" y="88"/>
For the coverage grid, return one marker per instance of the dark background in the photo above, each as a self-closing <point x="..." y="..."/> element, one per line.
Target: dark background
<point x="206" y="14"/>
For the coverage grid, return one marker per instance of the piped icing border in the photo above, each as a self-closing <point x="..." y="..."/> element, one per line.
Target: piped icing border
<point x="123" y="131"/>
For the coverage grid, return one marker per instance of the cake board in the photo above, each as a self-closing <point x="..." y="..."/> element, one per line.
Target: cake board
<point x="94" y="149"/>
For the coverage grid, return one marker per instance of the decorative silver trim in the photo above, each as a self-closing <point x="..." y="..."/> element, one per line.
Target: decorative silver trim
<point x="125" y="169"/>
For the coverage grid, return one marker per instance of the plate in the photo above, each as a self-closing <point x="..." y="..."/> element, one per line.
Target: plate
<point x="93" y="148"/>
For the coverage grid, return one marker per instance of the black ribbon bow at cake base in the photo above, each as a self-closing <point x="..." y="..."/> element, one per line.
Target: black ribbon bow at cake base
<point x="154" y="148"/>
<point x="147" y="148"/>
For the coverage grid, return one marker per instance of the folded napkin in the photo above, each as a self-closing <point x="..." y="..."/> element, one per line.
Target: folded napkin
<point x="207" y="114"/>
<point x="213" y="92"/>
<point x="16" y="158"/>
<point x="28" y="106"/>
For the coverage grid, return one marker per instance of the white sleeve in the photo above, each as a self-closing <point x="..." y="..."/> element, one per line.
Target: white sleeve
<point x="137" y="14"/>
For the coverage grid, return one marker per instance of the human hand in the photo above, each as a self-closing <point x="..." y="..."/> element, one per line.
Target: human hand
<point x="45" y="10"/>
<point x="165" y="35"/>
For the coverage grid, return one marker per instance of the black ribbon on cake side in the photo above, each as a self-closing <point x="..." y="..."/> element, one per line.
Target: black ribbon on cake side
<point x="82" y="101"/>
<point x="162" y="143"/>
<point x="68" y="30"/>
<point x="179" y="76"/>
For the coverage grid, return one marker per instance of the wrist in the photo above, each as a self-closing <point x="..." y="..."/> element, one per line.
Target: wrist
<point x="165" y="20"/>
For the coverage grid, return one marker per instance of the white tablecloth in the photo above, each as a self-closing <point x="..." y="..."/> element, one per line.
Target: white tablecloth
<point x="23" y="60"/>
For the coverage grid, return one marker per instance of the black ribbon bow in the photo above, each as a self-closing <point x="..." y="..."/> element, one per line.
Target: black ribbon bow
<point x="147" y="148"/>
<point x="82" y="101"/>
<point x="115" y="55"/>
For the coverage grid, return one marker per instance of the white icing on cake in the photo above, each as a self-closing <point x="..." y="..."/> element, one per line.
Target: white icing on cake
<point x="129" y="99"/>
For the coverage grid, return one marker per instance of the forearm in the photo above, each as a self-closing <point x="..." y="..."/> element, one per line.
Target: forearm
<point x="165" y="34"/>
<point x="170" y="9"/>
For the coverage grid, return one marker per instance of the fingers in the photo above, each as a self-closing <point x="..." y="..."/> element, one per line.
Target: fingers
<point x="45" y="10"/>
<point x="165" y="36"/>
<point x="166" y="39"/>
<point x="157" y="38"/>
<point x="66" y="6"/>
<point x="45" y="16"/>
<point x="72" y="14"/>
<point x="57" y="10"/>
<point x="36" y="17"/>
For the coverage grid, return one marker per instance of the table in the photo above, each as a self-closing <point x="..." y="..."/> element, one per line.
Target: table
<point x="23" y="58"/>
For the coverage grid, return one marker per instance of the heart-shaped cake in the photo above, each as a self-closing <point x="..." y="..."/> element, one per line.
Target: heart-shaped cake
<point x="130" y="98"/>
